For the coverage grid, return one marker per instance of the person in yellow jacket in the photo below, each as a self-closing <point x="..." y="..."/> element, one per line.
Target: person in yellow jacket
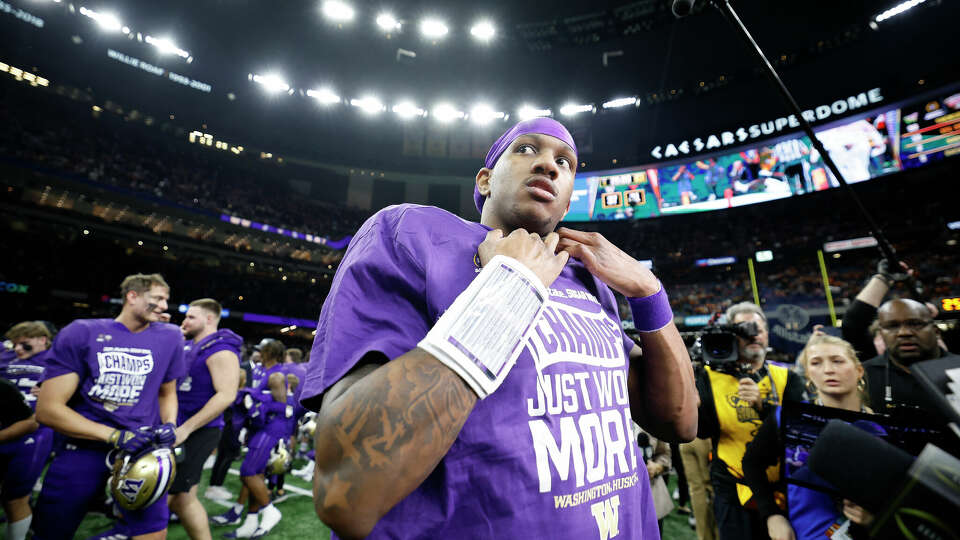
<point x="732" y="407"/>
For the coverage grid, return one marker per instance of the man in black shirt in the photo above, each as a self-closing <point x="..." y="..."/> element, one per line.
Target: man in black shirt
<point x="910" y="335"/>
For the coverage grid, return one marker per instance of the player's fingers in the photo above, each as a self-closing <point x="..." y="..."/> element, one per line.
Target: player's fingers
<point x="551" y="241"/>
<point x="579" y="236"/>
<point x="494" y="234"/>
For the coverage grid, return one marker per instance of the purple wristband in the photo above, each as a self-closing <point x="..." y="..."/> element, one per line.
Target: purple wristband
<point x="651" y="313"/>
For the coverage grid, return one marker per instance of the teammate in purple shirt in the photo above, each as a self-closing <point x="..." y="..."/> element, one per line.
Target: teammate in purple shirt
<point x="110" y="384"/>
<point x="268" y="422"/>
<point x="212" y="358"/>
<point x="417" y="444"/>
<point x="22" y="457"/>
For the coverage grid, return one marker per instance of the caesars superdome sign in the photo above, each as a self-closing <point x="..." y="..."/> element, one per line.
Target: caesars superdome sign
<point x="764" y="129"/>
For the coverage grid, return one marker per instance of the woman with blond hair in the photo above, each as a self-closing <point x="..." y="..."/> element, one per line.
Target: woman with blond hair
<point x="834" y="379"/>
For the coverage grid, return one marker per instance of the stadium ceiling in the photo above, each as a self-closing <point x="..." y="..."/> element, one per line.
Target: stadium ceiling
<point x="577" y="51"/>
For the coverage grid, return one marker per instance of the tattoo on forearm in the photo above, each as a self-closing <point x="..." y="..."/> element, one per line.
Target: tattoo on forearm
<point x="405" y="417"/>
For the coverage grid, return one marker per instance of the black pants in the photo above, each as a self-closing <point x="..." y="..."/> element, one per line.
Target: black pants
<point x="734" y="521"/>
<point x="227" y="451"/>
<point x="682" y="487"/>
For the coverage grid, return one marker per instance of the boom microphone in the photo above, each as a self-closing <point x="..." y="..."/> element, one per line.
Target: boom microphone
<point x="910" y="498"/>
<point x="862" y="467"/>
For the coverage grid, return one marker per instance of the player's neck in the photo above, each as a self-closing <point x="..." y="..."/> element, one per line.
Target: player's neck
<point x="202" y="335"/>
<point x="133" y="323"/>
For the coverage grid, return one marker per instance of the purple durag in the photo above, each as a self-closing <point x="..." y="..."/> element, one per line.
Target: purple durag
<point x="543" y="126"/>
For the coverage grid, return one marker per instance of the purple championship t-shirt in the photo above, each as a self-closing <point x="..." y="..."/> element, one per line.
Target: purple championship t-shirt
<point x="120" y="372"/>
<point x="550" y="454"/>
<point x="26" y="374"/>
<point x="196" y="389"/>
<point x="276" y="424"/>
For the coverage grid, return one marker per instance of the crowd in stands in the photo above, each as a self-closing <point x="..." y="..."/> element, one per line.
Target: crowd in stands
<point x="58" y="134"/>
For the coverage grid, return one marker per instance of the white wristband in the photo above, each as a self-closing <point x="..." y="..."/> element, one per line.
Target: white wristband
<point x="481" y="334"/>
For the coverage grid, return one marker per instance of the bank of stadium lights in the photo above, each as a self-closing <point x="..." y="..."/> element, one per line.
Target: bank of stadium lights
<point x="337" y="11"/>
<point x="368" y="104"/>
<point x="388" y="23"/>
<point x="408" y="109"/>
<point x="433" y="28"/>
<point x="271" y="82"/>
<point x="445" y="112"/>
<point x="620" y="102"/>
<point x="896" y="10"/>
<point x="483" y="31"/>
<point x="483" y="114"/>
<point x="206" y="139"/>
<point x="167" y="46"/>
<point x="527" y="112"/>
<point x="22" y="75"/>
<point x="571" y="109"/>
<point x="106" y="21"/>
<point x="324" y="96"/>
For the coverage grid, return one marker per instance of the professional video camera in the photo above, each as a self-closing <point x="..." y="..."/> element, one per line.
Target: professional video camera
<point x="716" y="346"/>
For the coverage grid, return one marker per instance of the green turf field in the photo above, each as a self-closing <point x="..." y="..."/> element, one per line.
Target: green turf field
<point x="300" y="522"/>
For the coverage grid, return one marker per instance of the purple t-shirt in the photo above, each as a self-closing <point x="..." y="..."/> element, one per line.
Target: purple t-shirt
<point x="26" y="374"/>
<point x="550" y="454"/>
<point x="120" y="372"/>
<point x="196" y="389"/>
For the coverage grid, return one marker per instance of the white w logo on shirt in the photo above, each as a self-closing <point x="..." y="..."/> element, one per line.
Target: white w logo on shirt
<point x="607" y="514"/>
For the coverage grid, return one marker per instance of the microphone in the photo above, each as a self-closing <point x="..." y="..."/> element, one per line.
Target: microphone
<point x="905" y="494"/>
<point x="863" y="468"/>
<point x="682" y="8"/>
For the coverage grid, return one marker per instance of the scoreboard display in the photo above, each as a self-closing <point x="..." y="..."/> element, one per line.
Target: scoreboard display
<point x="864" y="146"/>
<point x="930" y="130"/>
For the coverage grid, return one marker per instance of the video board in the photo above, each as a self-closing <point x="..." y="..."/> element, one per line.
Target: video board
<point x="864" y="146"/>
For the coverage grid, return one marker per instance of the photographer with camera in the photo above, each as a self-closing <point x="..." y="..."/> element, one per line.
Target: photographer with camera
<point x="736" y="393"/>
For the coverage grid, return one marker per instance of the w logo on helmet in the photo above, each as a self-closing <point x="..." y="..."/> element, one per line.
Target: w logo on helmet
<point x="129" y="488"/>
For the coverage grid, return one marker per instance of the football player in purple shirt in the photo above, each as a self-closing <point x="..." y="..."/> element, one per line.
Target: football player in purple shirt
<point x="268" y="422"/>
<point x="473" y="379"/>
<point x="23" y="455"/>
<point x="212" y="358"/>
<point x="110" y="385"/>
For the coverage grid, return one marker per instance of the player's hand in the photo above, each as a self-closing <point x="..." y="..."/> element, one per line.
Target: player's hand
<point x="653" y="469"/>
<point x="618" y="270"/>
<point x="856" y="513"/>
<point x="132" y="441"/>
<point x="749" y="391"/>
<point x="778" y="528"/>
<point x="537" y="254"/>
<point x="165" y="435"/>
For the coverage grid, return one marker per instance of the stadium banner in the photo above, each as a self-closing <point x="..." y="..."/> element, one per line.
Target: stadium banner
<point x="872" y="143"/>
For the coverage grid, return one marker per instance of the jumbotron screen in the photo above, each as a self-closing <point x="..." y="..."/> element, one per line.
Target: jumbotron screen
<point x="865" y="146"/>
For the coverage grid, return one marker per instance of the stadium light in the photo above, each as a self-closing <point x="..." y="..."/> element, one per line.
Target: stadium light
<point x="483" y="31"/>
<point x="338" y="11"/>
<point x="271" y="83"/>
<point x="482" y="114"/>
<point x="106" y="21"/>
<point x="388" y="22"/>
<point x="620" y="102"/>
<point x="446" y="112"/>
<point x="527" y="112"/>
<point x="166" y="46"/>
<point x="897" y="9"/>
<point x="433" y="28"/>
<point x="368" y="104"/>
<point x="325" y="96"/>
<point x="408" y="109"/>
<point x="571" y="109"/>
